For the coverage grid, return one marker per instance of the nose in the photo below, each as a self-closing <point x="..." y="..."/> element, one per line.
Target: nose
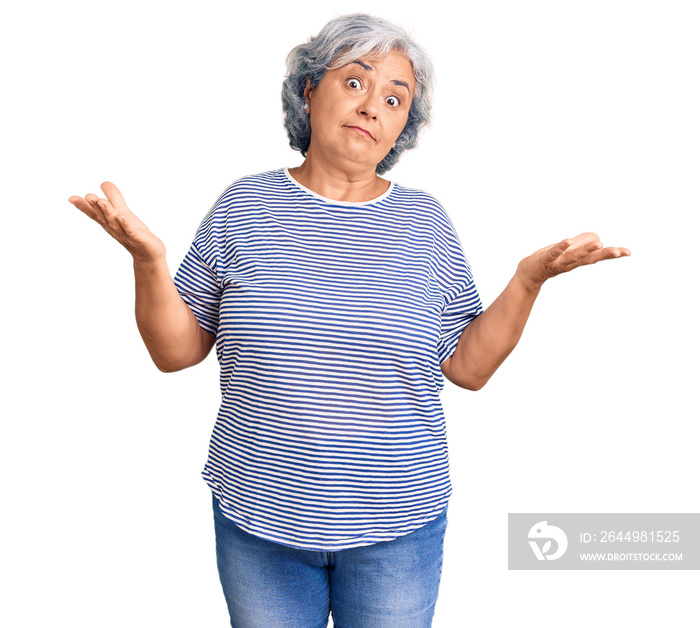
<point x="369" y="105"/>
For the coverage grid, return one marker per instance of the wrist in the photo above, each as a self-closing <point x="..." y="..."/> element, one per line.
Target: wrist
<point x="526" y="279"/>
<point x="149" y="265"/>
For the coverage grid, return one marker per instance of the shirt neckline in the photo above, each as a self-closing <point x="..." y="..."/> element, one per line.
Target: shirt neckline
<point x="331" y="201"/>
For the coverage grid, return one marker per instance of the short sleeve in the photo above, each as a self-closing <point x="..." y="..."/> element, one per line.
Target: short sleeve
<point x="198" y="286"/>
<point x="462" y="303"/>
<point x="198" y="277"/>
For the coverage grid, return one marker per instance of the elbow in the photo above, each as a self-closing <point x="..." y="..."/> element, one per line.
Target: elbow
<point x="472" y="384"/>
<point x="172" y="365"/>
<point x="178" y="356"/>
<point x="467" y="378"/>
<point x="475" y="387"/>
<point x="468" y="382"/>
<point x="173" y="361"/>
<point x="163" y="368"/>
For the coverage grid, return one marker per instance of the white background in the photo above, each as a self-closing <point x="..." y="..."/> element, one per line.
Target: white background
<point x="551" y="118"/>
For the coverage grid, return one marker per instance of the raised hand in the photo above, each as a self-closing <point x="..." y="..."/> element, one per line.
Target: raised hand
<point x="568" y="254"/>
<point x="489" y="339"/>
<point x="121" y="223"/>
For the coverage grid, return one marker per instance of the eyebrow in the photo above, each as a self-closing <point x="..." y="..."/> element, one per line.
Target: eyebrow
<point x="369" y="68"/>
<point x="395" y="82"/>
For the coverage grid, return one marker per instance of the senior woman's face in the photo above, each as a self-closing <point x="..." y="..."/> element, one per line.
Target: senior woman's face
<point x="359" y="110"/>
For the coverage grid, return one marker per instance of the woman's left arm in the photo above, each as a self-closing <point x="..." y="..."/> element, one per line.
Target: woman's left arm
<point x="488" y="340"/>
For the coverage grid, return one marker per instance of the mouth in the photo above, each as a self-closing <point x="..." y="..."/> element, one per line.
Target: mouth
<point x="361" y="131"/>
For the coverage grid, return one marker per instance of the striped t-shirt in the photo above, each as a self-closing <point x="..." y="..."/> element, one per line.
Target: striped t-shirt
<point x="331" y="322"/>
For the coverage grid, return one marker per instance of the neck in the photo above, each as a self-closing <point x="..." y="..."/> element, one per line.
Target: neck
<point x="340" y="184"/>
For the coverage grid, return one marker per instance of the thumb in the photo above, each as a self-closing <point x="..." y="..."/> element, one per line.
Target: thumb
<point x="114" y="196"/>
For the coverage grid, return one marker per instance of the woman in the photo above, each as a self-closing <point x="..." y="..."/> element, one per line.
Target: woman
<point x="337" y="300"/>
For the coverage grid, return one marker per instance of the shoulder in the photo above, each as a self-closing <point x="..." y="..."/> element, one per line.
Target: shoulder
<point x="253" y="184"/>
<point x="425" y="206"/>
<point x="416" y="196"/>
<point x="243" y="194"/>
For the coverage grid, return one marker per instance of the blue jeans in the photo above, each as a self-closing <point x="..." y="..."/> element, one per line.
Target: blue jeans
<point x="393" y="584"/>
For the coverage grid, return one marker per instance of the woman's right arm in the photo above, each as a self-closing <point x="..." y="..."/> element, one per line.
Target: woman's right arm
<point x="167" y="325"/>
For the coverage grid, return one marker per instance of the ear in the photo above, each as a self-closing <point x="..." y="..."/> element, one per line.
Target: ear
<point x="308" y="89"/>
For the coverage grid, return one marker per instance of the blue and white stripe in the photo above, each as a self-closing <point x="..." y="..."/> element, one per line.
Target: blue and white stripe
<point x="331" y="322"/>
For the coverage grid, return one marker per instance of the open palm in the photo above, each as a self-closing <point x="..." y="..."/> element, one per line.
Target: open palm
<point x="121" y="223"/>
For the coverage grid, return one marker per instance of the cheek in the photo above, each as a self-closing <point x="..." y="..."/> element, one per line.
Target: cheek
<point x="398" y="126"/>
<point x="320" y="121"/>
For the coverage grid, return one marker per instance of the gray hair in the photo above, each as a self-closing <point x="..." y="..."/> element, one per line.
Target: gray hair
<point x="340" y="42"/>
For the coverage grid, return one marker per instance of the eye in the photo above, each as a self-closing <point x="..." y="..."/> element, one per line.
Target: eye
<point x="393" y="101"/>
<point x="354" y="83"/>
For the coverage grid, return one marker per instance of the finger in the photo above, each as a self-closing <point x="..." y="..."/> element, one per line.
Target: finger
<point x="102" y="211"/>
<point x="584" y="238"/>
<point x="587" y="249"/>
<point x="90" y="206"/>
<point x="86" y="208"/>
<point x="110" y="213"/>
<point x="557" y="250"/>
<point x="577" y="256"/>
<point x="114" y="195"/>
<point x="92" y="199"/>
<point x="610" y="252"/>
